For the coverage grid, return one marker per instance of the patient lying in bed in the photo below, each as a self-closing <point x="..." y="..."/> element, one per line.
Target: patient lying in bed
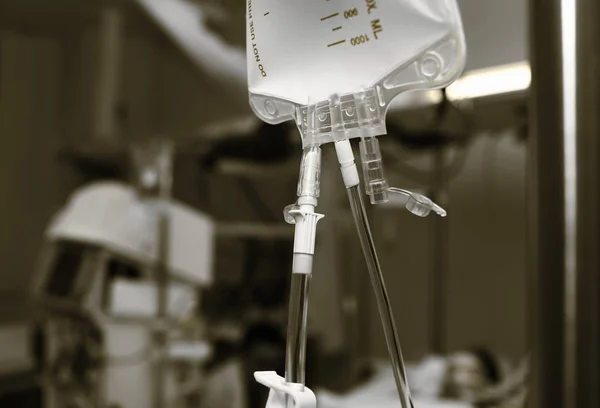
<point x="436" y="382"/>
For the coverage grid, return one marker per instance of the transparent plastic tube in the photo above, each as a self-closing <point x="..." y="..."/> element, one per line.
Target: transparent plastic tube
<point x="381" y="295"/>
<point x="305" y="219"/>
<point x="295" y="359"/>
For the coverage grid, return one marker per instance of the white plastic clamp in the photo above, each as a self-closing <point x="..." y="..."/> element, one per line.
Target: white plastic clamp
<point x="306" y="231"/>
<point x="280" y="390"/>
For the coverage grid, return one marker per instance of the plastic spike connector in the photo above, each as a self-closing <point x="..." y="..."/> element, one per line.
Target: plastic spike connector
<point x="310" y="171"/>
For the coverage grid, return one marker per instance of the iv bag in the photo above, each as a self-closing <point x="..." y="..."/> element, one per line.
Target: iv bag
<point x="301" y="54"/>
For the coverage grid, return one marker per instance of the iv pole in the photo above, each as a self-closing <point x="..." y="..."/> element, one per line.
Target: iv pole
<point x="564" y="202"/>
<point x="154" y="162"/>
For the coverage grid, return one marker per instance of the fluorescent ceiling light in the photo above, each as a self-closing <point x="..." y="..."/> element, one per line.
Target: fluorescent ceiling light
<point x="492" y="81"/>
<point x="499" y="80"/>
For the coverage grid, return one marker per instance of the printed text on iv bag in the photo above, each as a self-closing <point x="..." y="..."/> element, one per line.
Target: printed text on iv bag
<point x="261" y="68"/>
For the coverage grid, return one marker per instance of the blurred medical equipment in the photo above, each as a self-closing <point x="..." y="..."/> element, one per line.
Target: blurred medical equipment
<point x="348" y="61"/>
<point x="119" y="284"/>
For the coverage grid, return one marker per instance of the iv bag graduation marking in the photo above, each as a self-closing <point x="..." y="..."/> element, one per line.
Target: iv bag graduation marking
<point x="351" y="13"/>
<point x="376" y="28"/>
<point x="371" y="5"/>
<point x="330" y="16"/>
<point x="336" y="43"/>
<point x="361" y="39"/>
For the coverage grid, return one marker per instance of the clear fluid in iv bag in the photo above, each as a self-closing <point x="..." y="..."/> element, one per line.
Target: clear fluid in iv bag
<point x="301" y="53"/>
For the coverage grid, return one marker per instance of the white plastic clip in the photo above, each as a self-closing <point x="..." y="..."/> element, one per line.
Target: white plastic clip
<point x="306" y="231"/>
<point x="303" y="398"/>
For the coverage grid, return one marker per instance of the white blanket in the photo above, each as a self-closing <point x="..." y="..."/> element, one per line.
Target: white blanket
<point x="425" y="380"/>
<point x="367" y="400"/>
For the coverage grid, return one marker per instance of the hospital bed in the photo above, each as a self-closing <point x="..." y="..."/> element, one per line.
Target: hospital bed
<point x="380" y="391"/>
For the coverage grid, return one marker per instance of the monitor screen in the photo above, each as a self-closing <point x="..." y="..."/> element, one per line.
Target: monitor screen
<point x="64" y="270"/>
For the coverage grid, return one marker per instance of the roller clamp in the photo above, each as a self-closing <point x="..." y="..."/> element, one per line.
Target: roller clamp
<point x="302" y="396"/>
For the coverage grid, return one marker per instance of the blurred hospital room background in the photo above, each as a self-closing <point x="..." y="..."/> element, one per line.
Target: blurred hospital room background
<point x="112" y="111"/>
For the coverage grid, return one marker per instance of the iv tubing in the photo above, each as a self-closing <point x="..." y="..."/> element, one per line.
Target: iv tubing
<point x="305" y="220"/>
<point x="351" y="180"/>
<point x="295" y="358"/>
